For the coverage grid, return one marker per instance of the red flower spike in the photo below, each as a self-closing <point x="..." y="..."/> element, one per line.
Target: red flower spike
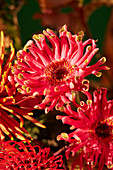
<point x="27" y="157"/>
<point x="8" y="98"/>
<point x="58" y="71"/>
<point x="92" y="131"/>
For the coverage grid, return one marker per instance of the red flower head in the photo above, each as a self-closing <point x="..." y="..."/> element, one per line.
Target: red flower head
<point x="27" y="157"/>
<point x="8" y="95"/>
<point x="58" y="71"/>
<point x="92" y="132"/>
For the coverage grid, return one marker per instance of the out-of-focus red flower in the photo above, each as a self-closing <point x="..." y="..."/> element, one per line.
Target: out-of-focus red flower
<point x="8" y="97"/>
<point x="18" y="155"/>
<point x="48" y="6"/>
<point x="92" y="133"/>
<point x="58" y="71"/>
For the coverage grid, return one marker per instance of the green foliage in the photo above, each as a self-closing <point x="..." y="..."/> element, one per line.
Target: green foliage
<point x="28" y="26"/>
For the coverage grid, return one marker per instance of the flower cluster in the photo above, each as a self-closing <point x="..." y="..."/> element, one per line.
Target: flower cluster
<point x="57" y="71"/>
<point x="47" y="76"/>
<point x="27" y="157"/>
<point x="8" y="99"/>
<point x="92" y="127"/>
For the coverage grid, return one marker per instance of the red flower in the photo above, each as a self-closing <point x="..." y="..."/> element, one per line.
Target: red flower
<point x="8" y="95"/>
<point x="92" y="132"/>
<point x="58" y="71"/>
<point x="27" y="157"/>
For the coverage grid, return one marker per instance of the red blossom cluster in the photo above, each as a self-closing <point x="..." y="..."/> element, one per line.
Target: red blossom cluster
<point x="27" y="157"/>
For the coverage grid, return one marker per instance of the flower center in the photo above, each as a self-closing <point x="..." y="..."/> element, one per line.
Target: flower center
<point x="103" y="130"/>
<point x="58" y="72"/>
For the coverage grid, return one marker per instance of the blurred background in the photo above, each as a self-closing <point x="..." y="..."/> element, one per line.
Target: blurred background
<point x="20" y="19"/>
